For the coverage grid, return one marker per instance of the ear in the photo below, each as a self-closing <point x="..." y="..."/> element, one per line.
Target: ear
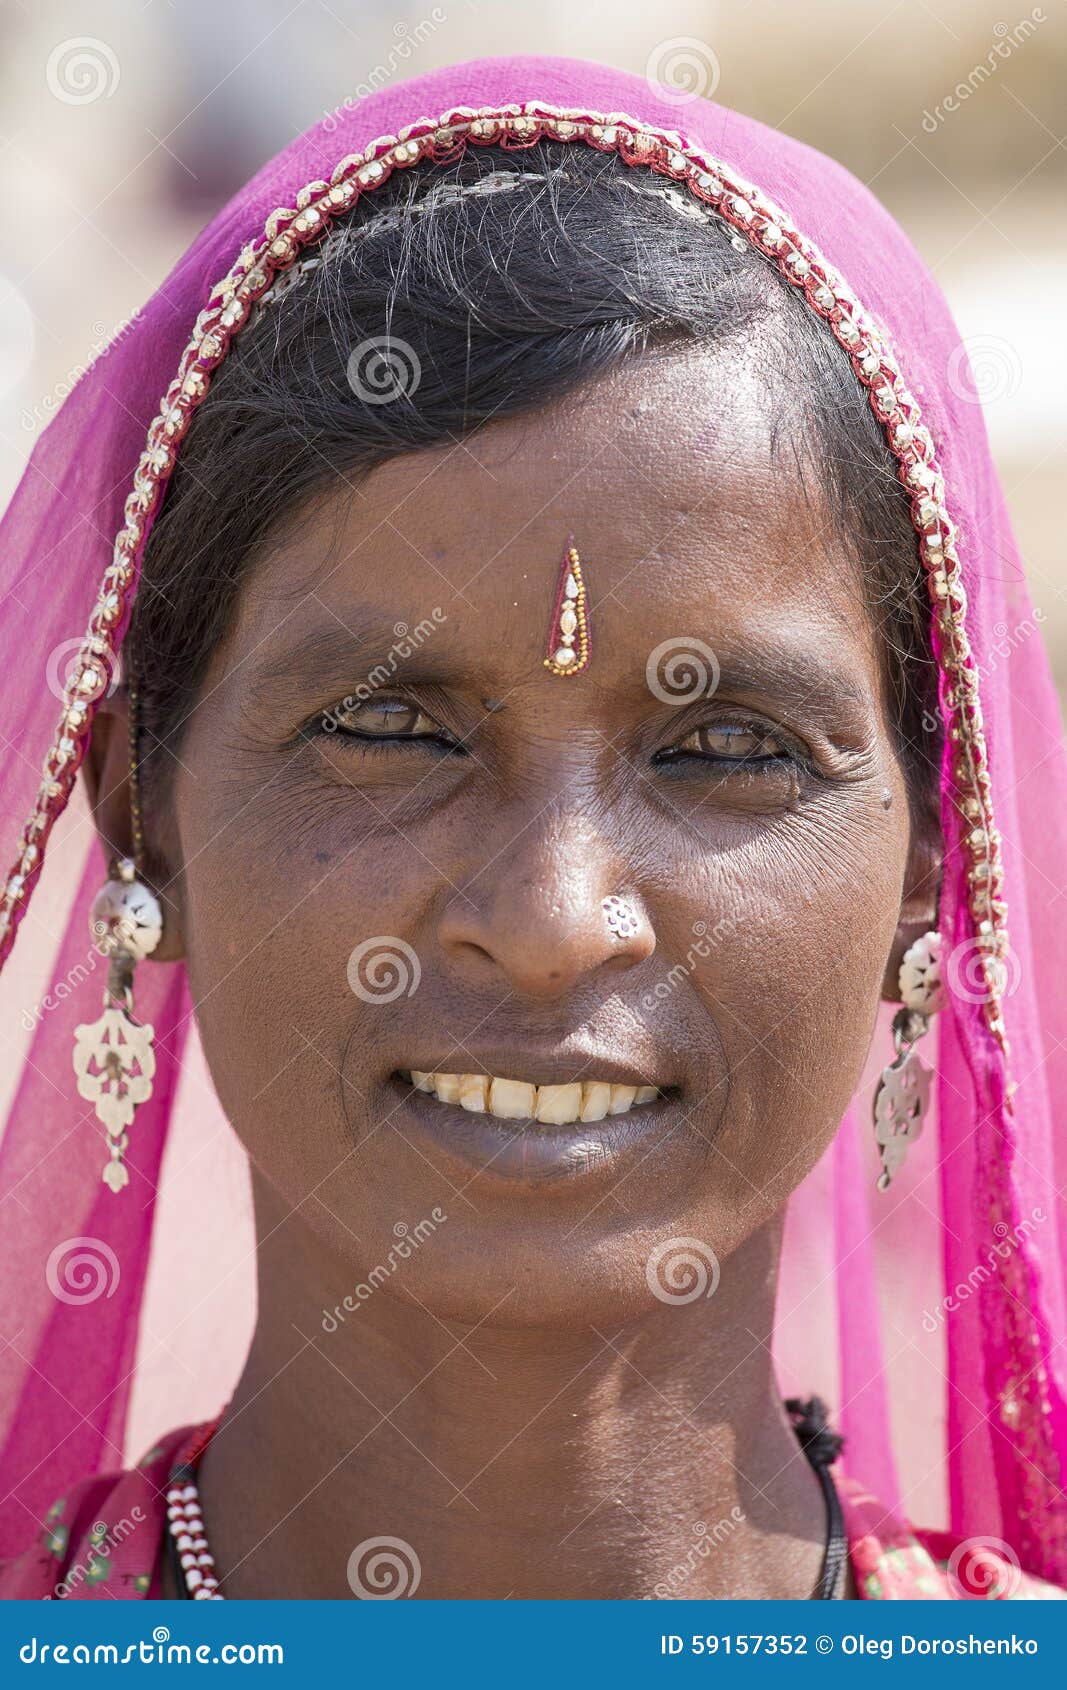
<point x="106" y="771"/>
<point x="918" y="908"/>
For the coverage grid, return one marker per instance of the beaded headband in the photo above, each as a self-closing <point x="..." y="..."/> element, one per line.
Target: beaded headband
<point x="765" y="228"/>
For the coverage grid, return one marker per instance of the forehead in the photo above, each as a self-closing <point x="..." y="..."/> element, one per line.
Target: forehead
<point x="686" y="520"/>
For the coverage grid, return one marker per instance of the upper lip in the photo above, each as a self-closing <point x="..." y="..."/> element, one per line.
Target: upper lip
<point x="538" y="1067"/>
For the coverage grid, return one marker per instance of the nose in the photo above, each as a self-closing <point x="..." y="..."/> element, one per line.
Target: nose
<point x="547" y="913"/>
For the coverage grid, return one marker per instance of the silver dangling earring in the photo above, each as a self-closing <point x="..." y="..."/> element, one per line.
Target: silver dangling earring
<point x="113" y="1057"/>
<point x="903" y="1094"/>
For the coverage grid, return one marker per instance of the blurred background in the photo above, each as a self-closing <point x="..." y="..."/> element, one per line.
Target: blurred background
<point x="122" y="128"/>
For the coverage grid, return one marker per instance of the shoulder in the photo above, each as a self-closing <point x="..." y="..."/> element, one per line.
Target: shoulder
<point x="102" y="1537"/>
<point x="892" y="1560"/>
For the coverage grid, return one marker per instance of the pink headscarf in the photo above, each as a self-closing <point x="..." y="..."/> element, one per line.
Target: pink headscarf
<point x="949" y="1290"/>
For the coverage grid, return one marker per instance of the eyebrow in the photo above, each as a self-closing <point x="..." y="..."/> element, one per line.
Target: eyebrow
<point x="794" y="676"/>
<point x="337" y="654"/>
<point x="334" y="653"/>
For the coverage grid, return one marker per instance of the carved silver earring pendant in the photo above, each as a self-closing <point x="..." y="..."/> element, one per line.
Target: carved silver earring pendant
<point x="113" y="1057"/>
<point x="903" y="1094"/>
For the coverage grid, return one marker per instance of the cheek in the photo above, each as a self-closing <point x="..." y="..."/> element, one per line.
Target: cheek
<point x="296" y="953"/>
<point x="787" y="959"/>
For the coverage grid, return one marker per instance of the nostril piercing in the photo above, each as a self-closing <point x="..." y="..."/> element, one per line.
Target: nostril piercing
<point x="621" y="916"/>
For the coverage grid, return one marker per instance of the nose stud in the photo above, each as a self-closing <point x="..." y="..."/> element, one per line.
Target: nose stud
<point x="622" y="918"/>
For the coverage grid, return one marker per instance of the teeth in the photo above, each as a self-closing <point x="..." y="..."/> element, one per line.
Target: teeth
<point x="473" y="1089"/>
<point x="517" y="1100"/>
<point x="559" y="1104"/>
<point x="596" y="1096"/>
<point x="512" y="1100"/>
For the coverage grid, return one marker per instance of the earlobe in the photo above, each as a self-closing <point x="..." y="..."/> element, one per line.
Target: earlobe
<point x="113" y="781"/>
<point x="918" y="911"/>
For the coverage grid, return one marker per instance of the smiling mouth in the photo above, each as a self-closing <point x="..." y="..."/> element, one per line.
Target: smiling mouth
<point x="520" y="1100"/>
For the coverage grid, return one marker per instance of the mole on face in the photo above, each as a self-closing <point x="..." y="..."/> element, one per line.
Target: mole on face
<point x="887" y="799"/>
<point x="492" y="704"/>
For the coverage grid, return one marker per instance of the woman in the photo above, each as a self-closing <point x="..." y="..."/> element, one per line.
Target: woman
<point x="558" y="604"/>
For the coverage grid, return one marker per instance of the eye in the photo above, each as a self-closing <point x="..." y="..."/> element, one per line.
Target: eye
<point x="733" y="742"/>
<point x="382" y="716"/>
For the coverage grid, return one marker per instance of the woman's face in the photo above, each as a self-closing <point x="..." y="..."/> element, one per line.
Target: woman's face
<point x="469" y="812"/>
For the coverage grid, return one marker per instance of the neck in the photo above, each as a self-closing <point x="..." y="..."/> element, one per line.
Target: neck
<point x="650" y="1459"/>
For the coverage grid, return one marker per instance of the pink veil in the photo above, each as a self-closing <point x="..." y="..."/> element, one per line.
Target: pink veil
<point x="932" y="1317"/>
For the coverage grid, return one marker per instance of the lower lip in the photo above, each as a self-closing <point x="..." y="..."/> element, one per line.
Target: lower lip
<point x="532" y="1152"/>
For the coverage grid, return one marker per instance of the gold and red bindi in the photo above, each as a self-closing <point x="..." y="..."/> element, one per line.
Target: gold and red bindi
<point x="567" y="651"/>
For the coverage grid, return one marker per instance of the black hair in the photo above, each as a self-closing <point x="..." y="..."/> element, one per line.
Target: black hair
<point x="504" y="302"/>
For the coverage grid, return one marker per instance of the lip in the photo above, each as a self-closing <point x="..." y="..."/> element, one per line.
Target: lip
<point x="534" y="1153"/>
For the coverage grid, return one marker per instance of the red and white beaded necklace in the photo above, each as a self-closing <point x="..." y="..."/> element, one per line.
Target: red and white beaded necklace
<point x="191" y="1557"/>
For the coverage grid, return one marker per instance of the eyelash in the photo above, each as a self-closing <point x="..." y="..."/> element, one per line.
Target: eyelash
<point x="754" y="766"/>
